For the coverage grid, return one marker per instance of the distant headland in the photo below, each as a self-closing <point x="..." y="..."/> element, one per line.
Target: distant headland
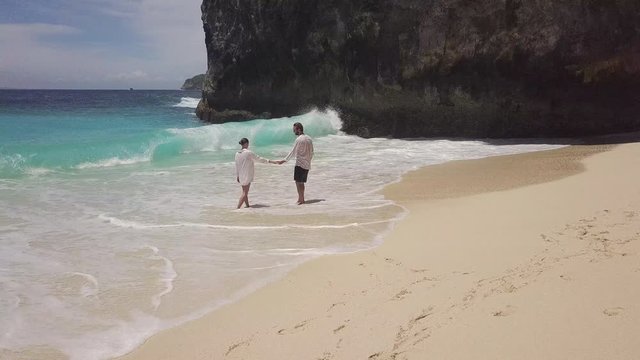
<point x="194" y="83"/>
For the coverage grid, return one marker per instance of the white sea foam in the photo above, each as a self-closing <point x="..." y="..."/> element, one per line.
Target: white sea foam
<point x="188" y="102"/>
<point x="137" y="225"/>
<point x="166" y="277"/>
<point x="119" y="339"/>
<point x="87" y="291"/>
<point x="38" y="171"/>
<point x="13" y="163"/>
<point x="218" y="137"/>
<point x="150" y="173"/>
<point x="115" y="161"/>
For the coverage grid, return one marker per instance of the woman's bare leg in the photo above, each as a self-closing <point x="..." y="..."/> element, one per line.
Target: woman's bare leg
<point x="244" y="198"/>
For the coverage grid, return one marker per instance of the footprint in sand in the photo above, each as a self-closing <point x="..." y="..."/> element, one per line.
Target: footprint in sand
<point x="296" y="328"/>
<point x="237" y="345"/>
<point x="401" y="295"/>
<point x="614" y="311"/>
<point x="335" y="331"/>
<point x="508" y="310"/>
<point x="392" y="261"/>
<point x="550" y="239"/>
<point x="335" y="304"/>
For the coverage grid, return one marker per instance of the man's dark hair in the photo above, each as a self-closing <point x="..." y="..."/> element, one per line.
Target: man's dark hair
<point x="243" y="141"/>
<point x="298" y="126"/>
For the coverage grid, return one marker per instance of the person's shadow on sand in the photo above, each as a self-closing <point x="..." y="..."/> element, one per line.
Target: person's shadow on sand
<point x="258" y="206"/>
<point x="313" y="201"/>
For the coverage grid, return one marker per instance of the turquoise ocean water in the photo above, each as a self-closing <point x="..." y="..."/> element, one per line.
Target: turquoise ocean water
<point x="117" y="214"/>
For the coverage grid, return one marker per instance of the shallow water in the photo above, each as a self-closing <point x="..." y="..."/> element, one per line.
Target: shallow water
<point x="117" y="214"/>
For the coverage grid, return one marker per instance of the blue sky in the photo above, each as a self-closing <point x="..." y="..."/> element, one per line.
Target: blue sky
<point x="100" y="44"/>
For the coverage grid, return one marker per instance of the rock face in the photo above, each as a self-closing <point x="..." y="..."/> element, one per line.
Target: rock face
<point x="194" y="83"/>
<point x="407" y="68"/>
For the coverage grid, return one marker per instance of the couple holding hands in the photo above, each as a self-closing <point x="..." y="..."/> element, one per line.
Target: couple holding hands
<point x="302" y="151"/>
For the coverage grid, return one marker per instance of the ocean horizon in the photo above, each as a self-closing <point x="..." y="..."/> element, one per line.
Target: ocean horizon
<point x="118" y="219"/>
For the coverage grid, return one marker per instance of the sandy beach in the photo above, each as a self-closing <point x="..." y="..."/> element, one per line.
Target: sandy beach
<point x="531" y="256"/>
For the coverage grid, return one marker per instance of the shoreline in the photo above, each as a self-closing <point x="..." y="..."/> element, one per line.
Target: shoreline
<point x="411" y="298"/>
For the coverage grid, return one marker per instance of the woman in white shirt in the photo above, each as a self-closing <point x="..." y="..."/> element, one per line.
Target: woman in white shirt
<point x="245" y="160"/>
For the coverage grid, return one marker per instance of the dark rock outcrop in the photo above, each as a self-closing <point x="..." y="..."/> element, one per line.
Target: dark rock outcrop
<point x="406" y="68"/>
<point x="194" y="83"/>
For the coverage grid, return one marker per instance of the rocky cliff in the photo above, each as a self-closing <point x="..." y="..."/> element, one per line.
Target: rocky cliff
<point x="405" y="68"/>
<point x="194" y="83"/>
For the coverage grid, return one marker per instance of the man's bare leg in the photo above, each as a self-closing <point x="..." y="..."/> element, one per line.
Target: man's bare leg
<point x="300" y="188"/>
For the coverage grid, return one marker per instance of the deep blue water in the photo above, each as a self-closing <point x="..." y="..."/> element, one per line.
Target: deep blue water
<point x="62" y="129"/>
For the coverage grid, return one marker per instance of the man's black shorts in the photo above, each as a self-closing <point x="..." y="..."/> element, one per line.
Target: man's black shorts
<point x="300" y="174"/>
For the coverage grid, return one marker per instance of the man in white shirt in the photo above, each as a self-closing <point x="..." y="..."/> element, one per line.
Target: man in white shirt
<point x="303" y="152"/>
<point x="245" y="160"/>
